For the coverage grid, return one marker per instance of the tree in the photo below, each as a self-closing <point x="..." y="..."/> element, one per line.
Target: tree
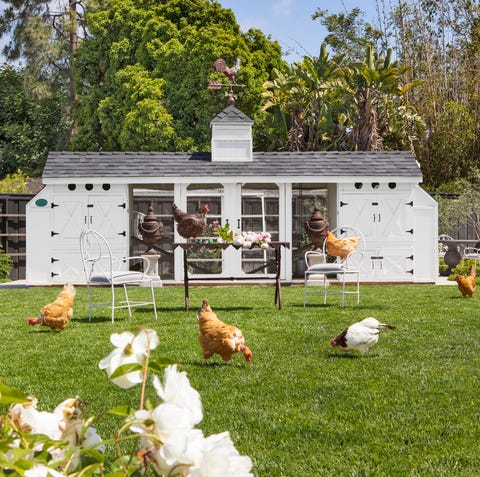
<point x="440" y="40"/>
<point x="29" y="128"/>
<point x="381" y="110"/>
<point x="166" y="50"/>
<point x="324" y="103"/>
<point x="464" y="208"/>
<point x="306" y="105"/>
<point x="45" y="40"/>
<point x="348" y="33"/>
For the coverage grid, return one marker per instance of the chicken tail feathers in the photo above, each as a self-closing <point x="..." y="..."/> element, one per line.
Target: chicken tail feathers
<point x="205" y="306"/>
<point x="473" y="271"/>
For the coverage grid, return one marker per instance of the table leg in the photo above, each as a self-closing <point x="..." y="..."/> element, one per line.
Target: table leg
<point x="278" y="289"/>
<point x="185" y="279"/>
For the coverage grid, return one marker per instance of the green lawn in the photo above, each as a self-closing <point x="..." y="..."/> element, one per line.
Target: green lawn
<point x="409" y="407"/>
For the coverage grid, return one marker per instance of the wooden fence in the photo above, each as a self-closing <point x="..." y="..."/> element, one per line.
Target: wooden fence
<point x="13" y="231"/>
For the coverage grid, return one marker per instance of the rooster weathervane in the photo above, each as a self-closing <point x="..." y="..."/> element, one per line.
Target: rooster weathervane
<point x="231" y="73"/>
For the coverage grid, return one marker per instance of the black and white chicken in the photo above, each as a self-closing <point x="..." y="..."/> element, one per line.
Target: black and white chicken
<point x="359" y="336"/>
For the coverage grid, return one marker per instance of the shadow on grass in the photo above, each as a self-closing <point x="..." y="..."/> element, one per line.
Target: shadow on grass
<point x="94" y="319"/>
<point x="195" y="309"/>
<point x="321" y="306"/>
<point x="227" y="308"/>
<point x="350" y="355"/>
<point x="215" y="364"/>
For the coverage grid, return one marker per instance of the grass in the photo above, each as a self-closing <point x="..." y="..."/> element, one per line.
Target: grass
<point x="409" y="407"/>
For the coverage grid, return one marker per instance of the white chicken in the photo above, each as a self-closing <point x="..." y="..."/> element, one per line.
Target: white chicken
<point x="359" y="336"/>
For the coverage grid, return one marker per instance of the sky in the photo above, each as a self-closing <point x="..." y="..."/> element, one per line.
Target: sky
<point x="289" y="21"/>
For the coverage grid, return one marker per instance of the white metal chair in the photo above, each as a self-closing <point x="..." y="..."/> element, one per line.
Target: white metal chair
<point x="313" y="278"/>
<point x="442" y="248"/>
<point x="345" y="269"/>
<point x="471" y="253"/>
<point x="103" y="269"/>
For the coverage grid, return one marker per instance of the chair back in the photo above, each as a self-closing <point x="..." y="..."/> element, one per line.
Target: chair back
<point x="97" y="256"/>
<point x="314" y="258"/>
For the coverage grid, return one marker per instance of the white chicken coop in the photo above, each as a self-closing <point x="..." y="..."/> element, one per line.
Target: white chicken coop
<point x="377" y="192"/>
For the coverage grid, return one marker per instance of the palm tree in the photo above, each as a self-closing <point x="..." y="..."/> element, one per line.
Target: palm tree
<point x="303" y="103"/>
<point x="381" y="108"/>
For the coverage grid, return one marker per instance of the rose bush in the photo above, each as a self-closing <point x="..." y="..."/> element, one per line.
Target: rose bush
<point x="64" y="443"/>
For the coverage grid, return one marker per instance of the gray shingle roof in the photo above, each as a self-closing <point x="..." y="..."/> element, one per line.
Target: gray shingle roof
<point x="231" y="114"/>
<point x="323" y="164"/>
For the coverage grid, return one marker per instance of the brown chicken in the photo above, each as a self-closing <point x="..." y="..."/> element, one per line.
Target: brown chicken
<point x="190" y="225"/>
<point x="341" y="247"/>
<point x="218" y="337"/>
<point x="467" y="284"/>
<point x="56" y="315"/>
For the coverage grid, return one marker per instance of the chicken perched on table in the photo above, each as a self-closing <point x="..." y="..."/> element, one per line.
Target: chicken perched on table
<point x="190" y="225"/>
<point x="467" y="284"/>
<point x="341" y="247"/>
<point x="56" y="315"/>
<point x="218" y="337"/>
<point x="359" y="336"/>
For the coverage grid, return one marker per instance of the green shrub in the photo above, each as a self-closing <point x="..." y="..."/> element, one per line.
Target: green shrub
<point x="14" y="183"/>
<point x="463" y="268"/>
<point x="6" y="265"/>
<point x="442" y="266"/>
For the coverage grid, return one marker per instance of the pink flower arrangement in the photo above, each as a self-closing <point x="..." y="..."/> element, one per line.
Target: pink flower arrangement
<point x="248" y="239"/>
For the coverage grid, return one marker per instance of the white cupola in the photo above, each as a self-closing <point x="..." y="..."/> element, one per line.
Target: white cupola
<point x="231" y="136"/>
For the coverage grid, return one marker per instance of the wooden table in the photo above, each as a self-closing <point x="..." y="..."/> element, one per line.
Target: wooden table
<point x="186" y="246"/>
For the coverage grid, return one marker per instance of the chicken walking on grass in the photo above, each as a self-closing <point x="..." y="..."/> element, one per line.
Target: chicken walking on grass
<point x="359" y="336"/>
<point x="218" y="337"/>
<point x="467" y="285"/>
<point x="56" y="315"/>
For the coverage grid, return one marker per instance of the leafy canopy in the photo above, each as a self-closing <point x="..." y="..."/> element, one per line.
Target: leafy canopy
<point x="143" y="74"/>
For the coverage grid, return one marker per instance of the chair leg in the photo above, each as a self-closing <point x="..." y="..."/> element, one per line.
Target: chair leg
<point x="304" y="292"/>
<point x="112" y="298"/>
<point x="324" y="289"/>
<point x="90" y="301"/>
<point x="343" y="290"/>
<point x="153" y="300"/>
<point x="127" y="300"/>
<point x="358" y="289"/>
